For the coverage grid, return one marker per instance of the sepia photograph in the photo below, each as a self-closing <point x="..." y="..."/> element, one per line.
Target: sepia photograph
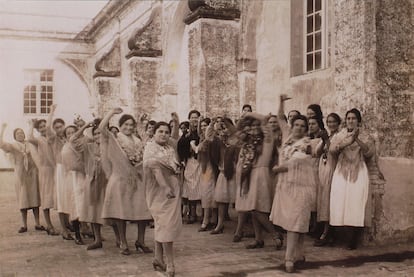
<point x="206" y="138"/>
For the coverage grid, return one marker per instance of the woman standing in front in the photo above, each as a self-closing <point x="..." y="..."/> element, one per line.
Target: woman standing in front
<point x="295" y="191"/>
<point x="254" y="188"/>
<point x="161" y="171"/>
<point x="26" y="176"/>
<point x="350" y="181"/>
<point x="125" y="191"/>
<point x="327" y="164"/>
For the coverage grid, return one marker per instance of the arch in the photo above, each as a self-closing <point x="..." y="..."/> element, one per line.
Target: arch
<point x="81" y="68"/>
<point x="175" y="70"/>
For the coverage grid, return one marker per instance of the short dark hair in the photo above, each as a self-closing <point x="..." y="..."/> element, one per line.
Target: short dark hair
<point x="319" y="121"/>
<point x="316" y="109"/>
<point x="247" y="106"/>
<point x="126" y="117"/>
<point x="68" y="127"/>
<point x="58" y="120"/>
<point x="96" y="123"/>
<point x="185" y="123"/>
<point x="15" y="131"/>
<point x="335" y="116"/>
<point x="151" y="122"/>
<point x="356" y="112"/>
<point x="162" y="123"/>
<point x="193" y="111"/>
<point x="206" y="120"/>
<point x="38" y="122"/>
<point x="294" y="111"/>
<point x="301" y="117"/>
<point x="113" y="127"/>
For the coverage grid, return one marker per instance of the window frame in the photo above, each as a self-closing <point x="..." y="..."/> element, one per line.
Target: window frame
<point x="324" y="36"/>
<point x="44" y="88"/>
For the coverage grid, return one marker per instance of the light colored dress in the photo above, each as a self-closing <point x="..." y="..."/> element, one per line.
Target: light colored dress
<point x="350" y="182"/>
<point x="295" y="191"/>
<point x="259" y="196"/>
<point x="56" y="143"/>
<point x="225" y="190"/>
<point x="26" y="174"/>
<point x="125" y="191"/>
<point x="207" y="184"/>
<point x="159" y="170"/>
<point x="94" y="185"/>
<point x="46" y="167"/>
<point x="326" y="167"/>
<point x="191" y="185"/>
<point x="69" y="190"/>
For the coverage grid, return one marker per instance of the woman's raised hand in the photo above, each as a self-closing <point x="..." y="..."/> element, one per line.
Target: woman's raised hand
<point x="284" y="97"/>
<point x="4" y="126"/>
<point x="117" y="110"/>
<point x="174" y="117"/>
<point x="170" y="194"/>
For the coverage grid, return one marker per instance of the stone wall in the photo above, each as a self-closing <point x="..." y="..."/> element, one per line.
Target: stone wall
<point x="213" y="69"/>
<point x="395" y="75"/>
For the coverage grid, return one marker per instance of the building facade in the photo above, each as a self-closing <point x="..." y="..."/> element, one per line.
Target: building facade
<point x="165" y="56"/>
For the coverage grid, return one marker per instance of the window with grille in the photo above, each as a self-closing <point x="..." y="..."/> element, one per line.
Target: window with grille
<point x="314" y="35"/>
<point x="38" y="91"/>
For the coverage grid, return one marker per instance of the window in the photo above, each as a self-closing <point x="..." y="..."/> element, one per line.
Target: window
<point x="38" y="91"/>
<point x="314" y="26"/>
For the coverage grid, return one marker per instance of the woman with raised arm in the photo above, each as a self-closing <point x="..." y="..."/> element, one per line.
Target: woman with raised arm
<point x="93" y="188"/>
<point x="254" y="187"/>
<point x="125" y="191"/>
<point x="46" y="168"/>
<point x="72" y="177"/>
<point x="209" y="171"/>
<point x="326" y="167"/>
<point x="225" y="189"/>
<point x="55" y="129"/>
<point x="350" y="181"/>
<point x="161" y="171"/>
<point x="26" y="176"/>
<point x="295" y="191"/>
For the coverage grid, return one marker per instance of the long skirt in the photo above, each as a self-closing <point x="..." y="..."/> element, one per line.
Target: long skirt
<point x="81" y="195"/>
<point x="64" y="189"/>
<point x="207" y="184"/>
<point x="348" y="199"/>
<point x="259" y="197"/>
<point x="191" y="186"/>
<point x="92" y="202"/>
<point x="292" y="205"/>
<point x="47" y="187"/>
<point x="225" y="191"/>
<point x="27" y="188"/>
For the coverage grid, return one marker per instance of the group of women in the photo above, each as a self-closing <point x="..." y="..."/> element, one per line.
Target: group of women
<point x="278" y="172"/>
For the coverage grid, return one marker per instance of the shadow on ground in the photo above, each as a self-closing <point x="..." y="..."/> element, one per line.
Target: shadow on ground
<point x="355" y="261"/>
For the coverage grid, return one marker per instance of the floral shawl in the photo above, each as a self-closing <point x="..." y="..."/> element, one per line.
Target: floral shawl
<point x="132" y="147"/>
<point x="164" y="154"/>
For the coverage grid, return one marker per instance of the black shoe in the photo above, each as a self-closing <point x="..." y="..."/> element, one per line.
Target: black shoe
<point x="67" y="236"/>
<point x="159" y="266"/>
<point x="52" y="232"/>
<point x="217" y="231"/>
<point x="142" y="247"/>
<point x="237" y="238"/>
<point x="95" y="245"/>
<point x="255" y="244"/>
<point x="78" y="239"/>
<point x="22" y="230"/>
<point x="203" y="228"/>
<point x="40" y="228"/>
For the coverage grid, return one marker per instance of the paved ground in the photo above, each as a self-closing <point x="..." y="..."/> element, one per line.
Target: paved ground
<point x="197" y="254"/>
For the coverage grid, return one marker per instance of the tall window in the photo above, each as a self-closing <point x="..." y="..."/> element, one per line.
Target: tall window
<point x="38" y="91"/>
<point x="314" y="35"/>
